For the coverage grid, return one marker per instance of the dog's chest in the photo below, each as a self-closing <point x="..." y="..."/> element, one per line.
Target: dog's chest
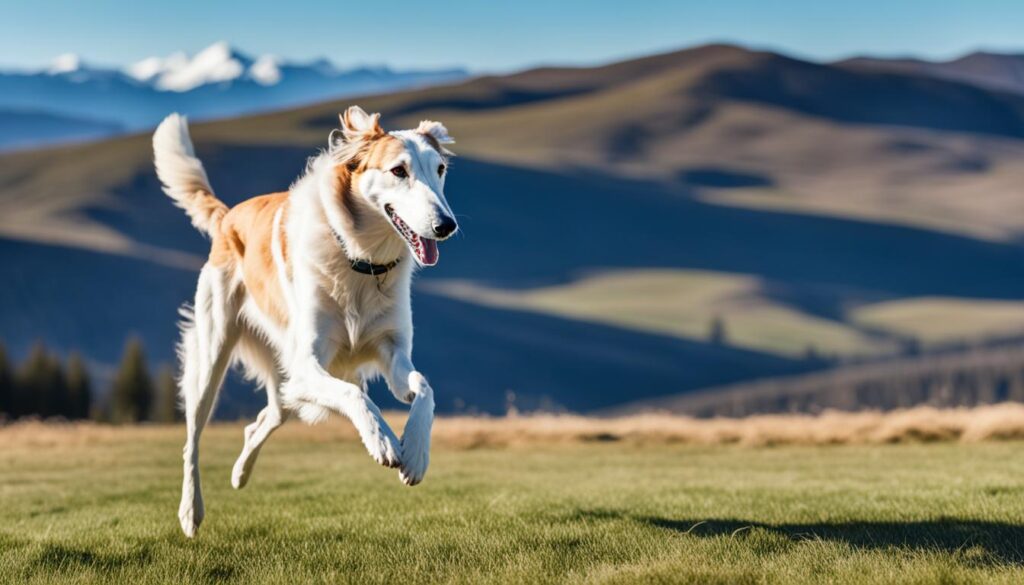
<point x="357" y="315"/>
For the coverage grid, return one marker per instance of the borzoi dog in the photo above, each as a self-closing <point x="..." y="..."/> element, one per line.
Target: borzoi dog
<point x="309" y="289"/>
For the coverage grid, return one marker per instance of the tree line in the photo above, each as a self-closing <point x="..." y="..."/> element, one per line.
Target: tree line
<point x="44" y="386"/>
<point x="958" y="378"/>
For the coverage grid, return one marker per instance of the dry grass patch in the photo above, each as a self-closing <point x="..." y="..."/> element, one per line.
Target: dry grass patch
<point x="1002" y="421"/>
<point x="921" y="424"/>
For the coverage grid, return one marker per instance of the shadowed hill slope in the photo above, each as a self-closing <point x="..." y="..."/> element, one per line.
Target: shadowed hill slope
<point x="1002" y="72"/>
<point x="26" y="129"/>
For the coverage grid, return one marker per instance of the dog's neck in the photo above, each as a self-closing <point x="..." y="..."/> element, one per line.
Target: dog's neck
<point x="370" y="237"/>
<point x="360" y="230"/>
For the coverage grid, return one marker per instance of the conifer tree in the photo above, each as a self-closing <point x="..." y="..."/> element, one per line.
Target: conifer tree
<point x="132" y="394"/>
<point x="716" y="332"/>
<point x="166" y="409"/>
<point x="79" y="388"/>
<point x="40" y="386"/>
<point x="55" y="395"/>
<point x="6" y="386"/>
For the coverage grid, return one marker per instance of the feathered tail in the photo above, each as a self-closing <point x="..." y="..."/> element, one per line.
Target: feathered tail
<point x="183" y="176"/>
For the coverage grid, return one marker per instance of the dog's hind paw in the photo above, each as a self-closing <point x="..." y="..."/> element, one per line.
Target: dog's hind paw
<point x="190" y="516"/>
<point x="240" y="473"/>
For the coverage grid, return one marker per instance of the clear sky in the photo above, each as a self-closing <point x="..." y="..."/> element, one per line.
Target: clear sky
<point x="488" y="35"/>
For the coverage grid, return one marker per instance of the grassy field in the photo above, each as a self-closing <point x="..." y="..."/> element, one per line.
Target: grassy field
<point x="88" y="504"/>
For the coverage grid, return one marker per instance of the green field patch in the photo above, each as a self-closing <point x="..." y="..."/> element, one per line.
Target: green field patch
<point x="686" y="304"/>
<point x="944" y="319"/>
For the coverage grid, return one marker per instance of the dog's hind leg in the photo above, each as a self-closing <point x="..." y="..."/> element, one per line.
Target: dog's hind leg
<point x="259" y="362"/>
<point x="206" y="346"/>
<point x="268" y="420"/>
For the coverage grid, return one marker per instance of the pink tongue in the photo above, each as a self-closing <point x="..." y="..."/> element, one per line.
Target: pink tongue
<point x="428" y="253"/>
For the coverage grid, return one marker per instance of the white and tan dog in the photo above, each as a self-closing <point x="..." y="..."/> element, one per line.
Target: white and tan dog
<point x="309" y="289"/>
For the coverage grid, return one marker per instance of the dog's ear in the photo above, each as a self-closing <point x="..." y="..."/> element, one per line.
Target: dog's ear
<point x="436" y="130"/>
<point x="357" y="125"/>
<point x="335" y="140"/>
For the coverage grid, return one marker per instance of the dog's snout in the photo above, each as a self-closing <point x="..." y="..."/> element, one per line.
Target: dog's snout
<point x="444" y="227"/>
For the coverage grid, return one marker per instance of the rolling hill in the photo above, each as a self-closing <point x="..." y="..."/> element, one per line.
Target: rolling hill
<point x="998" y="71"/>
<point x="26" y="129"/>
<point x="613" y="217"/>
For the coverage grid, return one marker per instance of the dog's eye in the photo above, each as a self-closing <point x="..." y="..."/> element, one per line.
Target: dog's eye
<point x="399" y="172"/>
<point x="440" y="170"/>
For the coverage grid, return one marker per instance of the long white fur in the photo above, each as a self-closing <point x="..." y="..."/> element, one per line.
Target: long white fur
<point x="332" y="310"/>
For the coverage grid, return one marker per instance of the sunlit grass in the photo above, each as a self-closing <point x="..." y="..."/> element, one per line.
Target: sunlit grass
<point x="944" y="319"/>
<point x="683" y="303"/>
<point x="81" y="507"/>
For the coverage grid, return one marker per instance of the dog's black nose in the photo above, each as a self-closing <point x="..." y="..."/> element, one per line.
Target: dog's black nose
<point x="444" y="227"/>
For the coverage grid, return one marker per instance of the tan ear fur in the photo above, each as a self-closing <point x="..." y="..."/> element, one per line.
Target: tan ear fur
<point x="436" y="130"/>
<point x="357" y="125"/>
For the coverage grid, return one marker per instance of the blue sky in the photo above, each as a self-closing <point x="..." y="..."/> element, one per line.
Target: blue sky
<point x="497" y="36"/>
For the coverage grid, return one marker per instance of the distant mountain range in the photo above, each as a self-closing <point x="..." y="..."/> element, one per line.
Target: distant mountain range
<point x="1003" y="72"/>
<point x="218" y="81"/>
<point x="644" y="229"/>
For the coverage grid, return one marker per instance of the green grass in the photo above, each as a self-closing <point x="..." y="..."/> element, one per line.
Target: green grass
<point x="321" y="511"/>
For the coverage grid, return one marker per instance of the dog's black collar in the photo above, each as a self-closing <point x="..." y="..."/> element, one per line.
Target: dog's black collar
<point x="364" y="267"/>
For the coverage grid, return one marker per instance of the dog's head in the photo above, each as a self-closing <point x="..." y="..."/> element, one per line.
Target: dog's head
<point x="401" y="175"/>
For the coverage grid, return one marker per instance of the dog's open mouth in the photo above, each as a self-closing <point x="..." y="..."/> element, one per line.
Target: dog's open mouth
<point x="425" y="249"/>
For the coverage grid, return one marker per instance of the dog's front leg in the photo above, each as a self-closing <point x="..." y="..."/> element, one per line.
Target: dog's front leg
<point x="407" y="384"/>
<point x="416" y="436"/>
<point x="311" y="384"/>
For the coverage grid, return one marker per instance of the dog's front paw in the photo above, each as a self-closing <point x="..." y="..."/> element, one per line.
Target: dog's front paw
<point x="382" y="444"/>
<point x="415" y="459"/>
<point x="416" y="439"/>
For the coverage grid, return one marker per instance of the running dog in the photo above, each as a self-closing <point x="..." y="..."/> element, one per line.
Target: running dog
<point x="309" y="289"/>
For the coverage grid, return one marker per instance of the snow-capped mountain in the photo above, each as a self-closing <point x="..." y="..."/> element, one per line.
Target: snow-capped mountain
<point x="217" y="63"/>
<point x="66" y="63"/>
<point x="218" y="81"/>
